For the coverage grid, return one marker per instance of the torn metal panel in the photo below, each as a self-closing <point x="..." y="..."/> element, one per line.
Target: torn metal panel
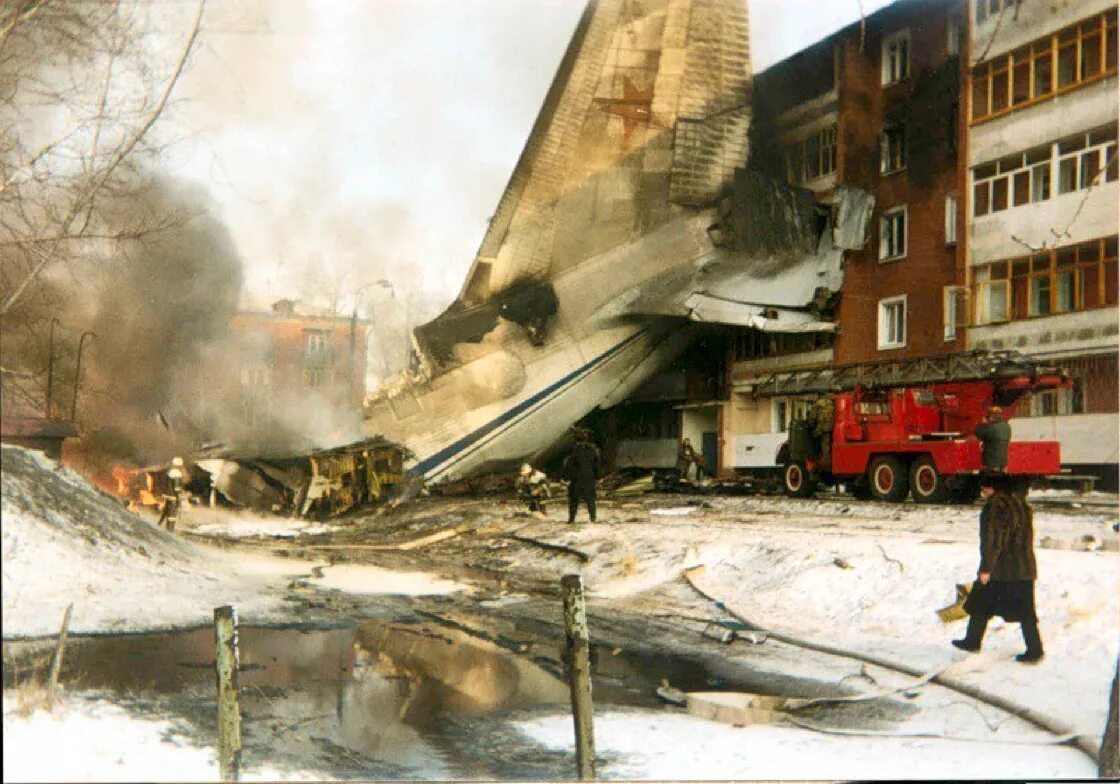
<point x="851" y="217"/>
<point x="715" y="310"/>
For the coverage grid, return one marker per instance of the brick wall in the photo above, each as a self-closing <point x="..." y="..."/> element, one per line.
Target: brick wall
<point x="932" y="173"/>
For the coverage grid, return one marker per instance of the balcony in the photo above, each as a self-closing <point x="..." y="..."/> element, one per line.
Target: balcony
<point x="1064" y="334"/>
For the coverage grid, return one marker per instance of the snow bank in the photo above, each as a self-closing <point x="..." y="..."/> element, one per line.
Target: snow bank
<point x="63" y="541"/>
<point x="678" y="747"/>
<point x="103" y="742"/>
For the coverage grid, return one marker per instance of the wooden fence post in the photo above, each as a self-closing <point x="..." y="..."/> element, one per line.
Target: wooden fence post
<point x="229" y="712"/>
<point x="579" y="673"/>
<point x="56" y="663"/>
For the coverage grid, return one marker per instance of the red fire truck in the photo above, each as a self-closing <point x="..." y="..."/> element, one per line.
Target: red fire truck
<point x="906" y="427"/>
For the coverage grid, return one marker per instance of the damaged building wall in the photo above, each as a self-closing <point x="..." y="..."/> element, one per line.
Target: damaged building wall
<point x="899" y="141"/>
<point x="821" y="121"/>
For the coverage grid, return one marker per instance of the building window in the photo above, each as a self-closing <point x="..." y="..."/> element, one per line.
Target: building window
<point x="954" y="310"/>
<point x="1082" y="159"/>
<point x="989" y="8"/>
<point x="1018" y="179"/>
<point x="254" y="377"/>
<point x="813" y="157"/>
<point x="1072" y="278"/>
<point x="648" y="422"/>
<point x="892" y="322"/>
<point x="892" y="234"/>
<point x="754" y="344"/>
<point x="1077" y="54"/>
<point x="950" y="220"/>
<point x="1057" y="402"/>
<point x="896" y="57"/>
<point x="314" y="378"/>
<point x="316" y="341"/>
<point x="892" y="149"/>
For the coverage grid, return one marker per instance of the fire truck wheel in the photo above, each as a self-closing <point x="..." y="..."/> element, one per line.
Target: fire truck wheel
<point x="927" y="485"/>
<point x="799" y="483"/>
<point x="888" y="479"/>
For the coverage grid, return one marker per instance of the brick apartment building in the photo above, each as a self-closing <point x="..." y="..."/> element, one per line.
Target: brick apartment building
<point x="874" y="106"/>
<point x="300" y="379"/>
<point x="1042" y="201"/>
<point x="986" y="132"/>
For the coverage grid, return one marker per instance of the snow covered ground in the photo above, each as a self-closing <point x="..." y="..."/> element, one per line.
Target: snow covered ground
<point x="682" y="748"/>
<point x="65" y="541"/>
<point x="866" y="577"/>
<point x="104" y="742"/>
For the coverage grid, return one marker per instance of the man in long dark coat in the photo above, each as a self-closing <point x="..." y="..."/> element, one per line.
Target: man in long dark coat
<point x="582" y="469"/>
<point x="1005" y="581"/>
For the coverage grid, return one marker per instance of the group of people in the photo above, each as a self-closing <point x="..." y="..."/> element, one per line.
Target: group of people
<point x="582" y="469"/>
<point x="1005" y="580"/>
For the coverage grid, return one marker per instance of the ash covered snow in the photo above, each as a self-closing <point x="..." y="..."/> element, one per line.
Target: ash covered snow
<point x="64" y="540"/>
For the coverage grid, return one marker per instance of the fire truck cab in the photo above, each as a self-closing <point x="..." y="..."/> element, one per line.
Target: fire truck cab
<point x="890" y="441"/>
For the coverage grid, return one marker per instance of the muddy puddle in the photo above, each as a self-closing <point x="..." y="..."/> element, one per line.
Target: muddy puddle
<point x="375" y="700"/>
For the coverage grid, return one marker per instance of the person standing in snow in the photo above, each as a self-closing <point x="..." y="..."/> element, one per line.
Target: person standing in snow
<point x="686" y="456"/>
<point x="173" y="503"/>
<point x="995" y="435"/>
<point x="1005" y="581"/>
<point x="582" y="469"/>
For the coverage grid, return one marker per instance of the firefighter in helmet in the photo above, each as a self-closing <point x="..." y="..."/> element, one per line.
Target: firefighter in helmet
<point x="173" y="501"/>
<point x="532" y="488"/>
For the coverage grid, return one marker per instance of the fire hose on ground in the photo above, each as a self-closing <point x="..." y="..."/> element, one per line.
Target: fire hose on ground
<point x="1064" y="732"/>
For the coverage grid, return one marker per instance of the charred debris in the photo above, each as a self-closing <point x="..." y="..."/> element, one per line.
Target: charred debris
<point x="317" y="484"/>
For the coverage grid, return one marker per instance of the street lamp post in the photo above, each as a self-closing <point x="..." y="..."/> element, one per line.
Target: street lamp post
<point x="78" y="373"/>
<point x="50" y="365"/>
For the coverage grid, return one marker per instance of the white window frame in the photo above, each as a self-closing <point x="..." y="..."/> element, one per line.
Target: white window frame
<point x="951" y="209"/>
<point x="885" y="226"/>
<point x="316" y="341"/>
<point x="896" y="72"/>
<point x="989" y="290"/>
<point x="892" y="157"/>
<point x="886" y="306"/>
<point x="954" y="310"/>
<point x="953" y="34"/>
<point x="1102" y="149"/>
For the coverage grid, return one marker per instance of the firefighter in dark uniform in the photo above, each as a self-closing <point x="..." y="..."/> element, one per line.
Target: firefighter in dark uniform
<point x="582" y="469"/>
<point x="995" y="435"/>
<point x="824" y="414"/>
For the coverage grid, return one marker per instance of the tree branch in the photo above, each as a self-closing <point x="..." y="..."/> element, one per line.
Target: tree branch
<point x="122" y="153"/>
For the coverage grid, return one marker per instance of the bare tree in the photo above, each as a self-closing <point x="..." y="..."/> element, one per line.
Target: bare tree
<point x="81" y="86"/>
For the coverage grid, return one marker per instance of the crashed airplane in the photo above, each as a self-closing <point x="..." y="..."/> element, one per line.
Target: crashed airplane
<point x="629" y="220"/>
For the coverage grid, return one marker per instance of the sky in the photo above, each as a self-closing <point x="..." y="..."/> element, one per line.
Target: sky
<point x="352" y="141"/>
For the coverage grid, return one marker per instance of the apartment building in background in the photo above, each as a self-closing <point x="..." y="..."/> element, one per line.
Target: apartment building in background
<point x="874" y="106"/>
<point x="1042" y="203"/>
<point x="295" y="379"/>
